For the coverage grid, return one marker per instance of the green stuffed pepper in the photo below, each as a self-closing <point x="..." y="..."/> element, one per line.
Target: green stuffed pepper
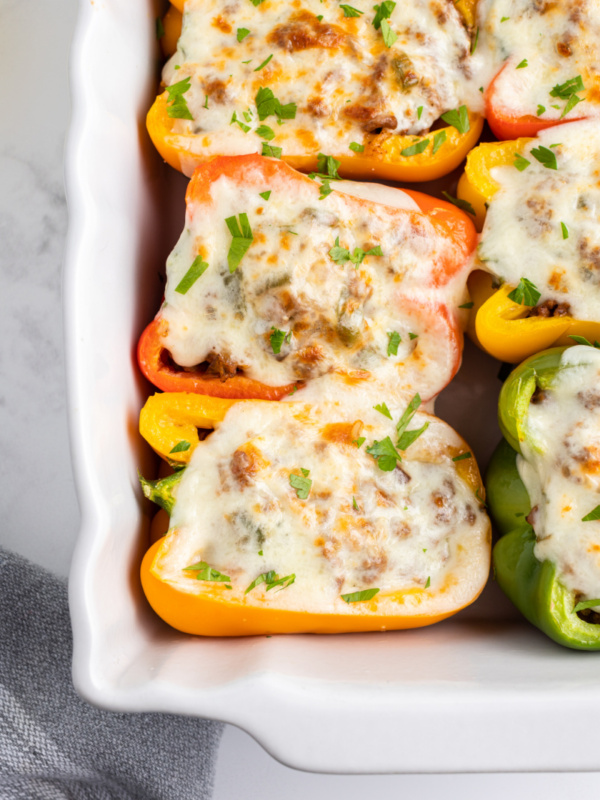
<point x="543" y="489"/>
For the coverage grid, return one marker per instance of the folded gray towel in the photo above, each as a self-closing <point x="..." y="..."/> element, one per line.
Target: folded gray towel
<point x="53" y="745"/>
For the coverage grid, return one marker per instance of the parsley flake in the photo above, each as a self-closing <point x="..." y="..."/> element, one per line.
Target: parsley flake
<point x="522" y="64"/>
<point x="268" y="105"/>
<point x="521" y="162"/>
<point x="242" y="33"/>
<point x="475" y="40"/>
<point x="355" y="504"/>
<point x="264" y="63"/>
<point x="592" y="516"/>
<point x="181" y="447"/>
<point x="359" y="597"/>
<point x="340" y="254"/>
<point x="385" y="454"/>
<point x="438" y="141"/>
<point x="389" y="36"/>
<point x="383" y="409"/>
<point x="277" y="338"/>
<point x="242" y="239"/>
<point x="419" y="112"/>
<point x="467" y="305"/>
<point x="464" y="205"/>
<point x="415" y="149"/>
<point x="271" y="150"/>
<point x="350" y="11"/>
<point x="301" y="483"/>
<point x="197" y="269"/>
<point x="265" y="195"/>
<point x="177" y="107"/>
<point x="428" y="584"/>
<point x="236" y="121"/>
<point x="540" y="110"/>
<point x="565" y="230"/>
<point x="382" y="11"/>
<point x="462" y="456"/>
<point x="356" y="147"/>
<point x="360" y="441"/>
<point x="526" y="293"/>
<point x="458" y="118"/>
<point x="207" y="573"/>
<point x="545" y="156"/>
<point x="394" y="340"/>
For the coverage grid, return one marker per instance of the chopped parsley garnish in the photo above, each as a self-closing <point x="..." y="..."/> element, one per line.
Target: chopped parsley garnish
<point x="197" y="269"/>
<point x="383" y="409"/>
<point x="522" y="64"/>
<point x="464" y="205"/>
<point x="584" y="604"/>
<point x="277" y="338"/>
<point x="419" y="112"/>
<point x="301" y="483"/>
<point x="242" y="33"/>
<point x="571" y="103"/>
<point x="265" y="195"/>
<point x="413" y="335"/>
<point x="583" y="340"/>
<point x="458" y="118"/>
<point x="271" y="150"/>
<point x="207" y="573"/>
<point x="382" y="11"/>
<point x="503" y="19"/>
<point x="389" y="36"/>
<point x="462" y="456"/>
<point x="264" y="63"/>
<point x="327" y="167"/>
<point x="467" y="305"/>
<point x="475" y="40"/>
<point x="360" y="441"/>
<point x="526" y="293"/>
<point x="565" y="230"/>
<point x="406" y="418"/>
<point x="545" y="156"/>
<point x="428" y="584"/>
<point x="359" y="597"/>
<point x="568" y="91"/>
<point x="256" y="2"/>
<point x="356" y="147"/>
<point x="394" y="340"/>
<point x="350" y="11"/>
<point x="264" y="577"/>
<point x="592" y="516"/>
<point x="268" y="105"/>
<point x="408" y="437"/>
<point x="160" y="28"/>
<point x="340" y="254"/>
<point x="283" y="582"/>
<point x="177" y="107"/>
<point x="385" y="454"/>
<point x="180" y="447"/>
<point x="521" y="162"/>
<point x="235" y="120"/>
<point x="540" y="110"/>
<point x="415" y="149"/>
<point x="438" y="141"/>
<point x="355" y="504"/>
<point x="242" y="239"/>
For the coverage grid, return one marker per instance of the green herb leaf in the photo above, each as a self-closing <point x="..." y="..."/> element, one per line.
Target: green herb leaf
<point x="177" y="107"/>
<point x="413" y="335"/>
<point x="197" y="269"/>
<point x="438" y="141"/>
<point x="583" y="340"/>
<point x="540" y="110"/>
<point x="264" y="63"/>
<point x="355" y="504"/>
<point x="592" y="516"/>
<point x="415" y="149"/>
<point x="265" y="195"/>
<point x="236" y="121"/>
<point x="521" y="162"/>
<point x="359" y="597"/>
<point x="525" y="293"/>
<point x="428" y="584"/>
<point x="180" y="447"/>
<point x="394" y="340"/>
<point x="283" y="582"/>
<point x="545" y="156"/>
<point x="464" y="205"/>
<point x="475" y="40"/>
<point x="257" y="2"/>
<point x="522" y="64"/>
<point x="271" y="150"/>
<point x="265" y="132"/>
<point x="565" y="230"/>
<point x="408" y="437"/>
<point x="462" y="456"/>
<point x="350" y="11"/>
<point x="458" y="118"/>
<point x="242" y="33"/>
<point x="264" y="577"/>
<point x="571" y="103"/>
<point x="389" y="36"/>
<point x="503" y="19"/>
<point x="419" y="112"/>
<point x="383" y="409"/>
<point x="242" y="239"/>
<point x="585" y="604"/>
<point x="467" y="305"/>
<point x="268" y="105"/>
<point x="383" y="11"/>
<point x="568" y="88"/>
<point x="339" y="254"/>
<point x="327" y="166"/>
<point x="356" y="147"/>
<point x="385" y="454"/>
<point x="277" y="338"/>
<point x="360" y="441"/>
<point x="302" y="484"/>
<point x="406" y="418"/>
<point x="207" y="573"/>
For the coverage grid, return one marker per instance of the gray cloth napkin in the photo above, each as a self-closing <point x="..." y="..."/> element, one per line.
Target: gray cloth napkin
<point x="53" y="745"/>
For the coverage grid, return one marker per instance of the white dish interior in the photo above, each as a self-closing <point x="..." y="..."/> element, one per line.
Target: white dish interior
<point x="483" y="691"/>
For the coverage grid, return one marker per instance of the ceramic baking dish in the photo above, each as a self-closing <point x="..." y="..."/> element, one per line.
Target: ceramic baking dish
<point x="483" y="691"/>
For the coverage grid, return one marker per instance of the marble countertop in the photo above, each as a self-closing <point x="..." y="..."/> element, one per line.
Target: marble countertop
<point x="40" y="512"/>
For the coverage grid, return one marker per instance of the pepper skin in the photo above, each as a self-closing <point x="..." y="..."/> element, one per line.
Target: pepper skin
<point x="217" y="610"/>
<point x="530" y="584"/>
<point x="500" y="326"/>
<point x="446" y="339"/>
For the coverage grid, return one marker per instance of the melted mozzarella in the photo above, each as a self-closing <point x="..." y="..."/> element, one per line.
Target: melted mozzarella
<point x="359" y="528"/>
<point x="337" y="70"/>
<point x="336" y="317"/>
<point x="561" y="470"/>
<point x="559" y="39"/>
<point x="523" y="235"/>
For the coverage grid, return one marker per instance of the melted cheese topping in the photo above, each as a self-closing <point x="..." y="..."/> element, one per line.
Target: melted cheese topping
<point x="407" y="530"/>
<point x="335" y="316"/>
<point x="561" y="470"/>
<point x="523" y="235"/>
<point x="559" y="40"/>
<point x="337" y="70"/>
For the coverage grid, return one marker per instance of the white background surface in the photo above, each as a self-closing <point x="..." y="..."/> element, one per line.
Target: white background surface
<point x="40" y="511"/>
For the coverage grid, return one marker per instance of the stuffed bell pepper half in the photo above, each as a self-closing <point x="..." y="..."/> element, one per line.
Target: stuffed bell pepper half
<point x="543" y="489"/>
<point x="291" y="517"/>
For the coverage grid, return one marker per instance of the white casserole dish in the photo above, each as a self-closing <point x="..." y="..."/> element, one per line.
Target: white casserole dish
<point x="483" y="691"/>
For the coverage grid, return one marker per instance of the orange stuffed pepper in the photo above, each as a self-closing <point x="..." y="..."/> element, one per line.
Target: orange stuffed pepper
<point x="389" y="92"/>
<point x="279" y="280"/>
<point x="293" y="518"/>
